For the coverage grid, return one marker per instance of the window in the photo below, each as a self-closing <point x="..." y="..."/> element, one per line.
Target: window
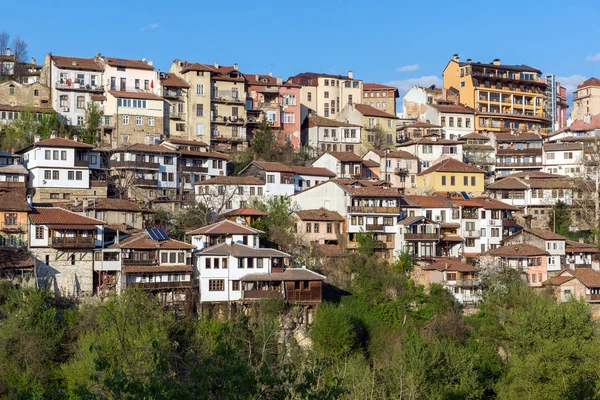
<point x="329" y="227"/>
<point x="150" y="121"/>
<point x="235" y="285"/>
<point x="216" y="285"/>
<point x="326" y="95"/>
<point x="137" y="83"/>
<point x="39" y="232"/>
<point x="63" y="155"/>
<point x="326" y="110"/>
<point x="289" y="118"/>
<point x="495" y="232"/>
<point x="123" y="83"/>
<point x="47" y="174"/>
<point x="443" y="180"/>
<point x="473" y="180"/>
<point x="80" y="102"/>
<point x="308" y="227"/>
<point x="316" y="227"/>
<point x="469" y="242"/>
<point x="309" y="96"/>
<point x="349" y="99"/>
<point x="125" y="119"/>
<point x="467" y="122"/>
<point x="138" y="120"/>
<point x="271" y="116"/>
<point x="452" y="180"/>
<point x="199" y="90"/>
<point x="55" y="154"/>
<point x="270" y="178"/>
<point x="260" y="191"/>
<point x="56" y="175"/>
<point x="78" y="175"/>
<point x="11" y="90"/>
<point x="450" y="121"/>
<point x="459" y="122"/>
<point x="10" y="218"/>
<point x="168" y="160"/>
<point x="71" y="175"/>
<point x="79" y="120"/>
<point x="64" y="101"/>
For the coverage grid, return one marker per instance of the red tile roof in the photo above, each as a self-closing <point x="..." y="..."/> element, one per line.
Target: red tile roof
<point x="59" y="216"/>
<point x="206" y="154"/>
<point x="428" y="201"/>
<point x="313" y="171"/>
<point x="370" y="163"/>
<point x="14" y="200"/>
<point x="149" y="269"/>
<point x="319" y="215"/>
<point x="273" y="166"/>
<point x="88" y="64"/>
<point x="57" y="142"/>
<point x="577" y="247"/>
<point x="544" y="234"/>
<point x="369" y="111"/>
<point x="589" y="82"/>
<point x="404" y="155"/>
<point x="123" y="62"/>
<point x="377" y="86"/>
<point x="474" y="135"/>
<point x="517" y="250"/>
<point x="186" y="142"/>
<point x="172" y="80"/>
<point x="452" y="165"/>
<point x="146" y="148"/>
<point x="581" y="126"/>
<point x="589" y="277"/>
<point x="143" y="241"/>
<point x="449" y="264"/>
<point x="345" y="156"/>
<point x="453" y="108"/>
<point x="15" y="259"/>
<point x="245" y="211"/>
<point x="231" y="180"/>
<point x="259" y="80"/>
<point x="225" y="227"/>
<point x="518" y="137"/>
<point x="315" y="120"/>
<point x="135" y="95"/>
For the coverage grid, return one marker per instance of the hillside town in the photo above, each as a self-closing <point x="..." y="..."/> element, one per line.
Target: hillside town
<point x="492" y="171"/>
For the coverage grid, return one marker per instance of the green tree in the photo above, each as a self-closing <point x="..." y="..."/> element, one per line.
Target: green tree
<point x="264" y="142"/>
<point x="366" y="243"/>
<point x="333" y="331"/>
<point x="93" y="118"/>
<point x="19" y="133"/>
<point x="279" y="222"/>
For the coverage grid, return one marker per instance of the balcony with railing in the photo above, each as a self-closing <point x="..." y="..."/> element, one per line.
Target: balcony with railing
<point x="422" y="236"/>
<point x="134" y="164"/>
<point x="233" y="119"/>
<point x="76" y="242"/>
<point x="464" y="282"/>
<point x="592" y="298"/>
<point x="13" y="228"/>
<point x="147" y="262"/>
<point x="374" y="228"/>
<point x="172" y="93"/>
<point x="162" y="285"/>
<point x="373" y="210"/>
<point x="503" y="164"/>
<point x="227" y="96"/>
<point x="194" y="168"/>
<point x="176" y="115"/>
<point x="79" y="87"/>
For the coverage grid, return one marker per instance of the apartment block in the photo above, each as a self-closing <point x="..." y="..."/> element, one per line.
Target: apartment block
<point x="381" y="97"/>
<point x="175" y="92"/>
<point x="586" y="99"/>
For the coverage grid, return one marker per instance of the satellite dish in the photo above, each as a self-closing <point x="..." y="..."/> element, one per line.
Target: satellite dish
<point x="240" y="221"/>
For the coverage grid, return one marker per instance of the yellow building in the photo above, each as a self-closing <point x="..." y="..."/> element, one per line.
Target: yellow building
<point x="382" y="97"/>
<point x="175" y="93"/>
<point x="586" y="99"/>
<point x="451" y="175"/>
<point x="377" y="122"/>
<point x="503" y="96"/>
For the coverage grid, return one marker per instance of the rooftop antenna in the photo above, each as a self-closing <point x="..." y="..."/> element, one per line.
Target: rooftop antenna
<point x="271" y="67"/>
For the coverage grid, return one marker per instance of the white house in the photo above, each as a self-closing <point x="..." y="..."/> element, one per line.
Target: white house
<point x="59" y="169"/>
<point x="305" y="177"/>
<point x="278" y="177"/>
<point x="567" y="159"/>
<point x="345" y="165"/>
<point x="326" y="135"/>
<point x="72" y="83"/>
<point x="226" y="193"/>
<point x="398" y="167"/>
<point x="431" y="150"/>
<point x="224" y="232"/>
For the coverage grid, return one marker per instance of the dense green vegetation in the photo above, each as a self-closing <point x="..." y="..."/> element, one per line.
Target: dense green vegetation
<point x="384" y="338"/>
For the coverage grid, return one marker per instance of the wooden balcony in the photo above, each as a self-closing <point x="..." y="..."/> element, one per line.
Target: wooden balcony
<point x="10" y="185"/>
<point x="72" y="242"/>
<point x="312" y="295"/>
<point x="129" y="261"/>
<point x="592" y="298"/>
<point x="81" y="163"/>
<point x="373" y="210"/>
<point x="134" y="165"/>
<point x="464" y="282"/>
<point x="14" y="228"/>
<point x="194" y="168"/>
<point x="421" y="236"/>
<point x="509" y="223"/>
<point x="146" y="182"/>
<point x="374" y="227"/>
<point x="162" y="285"/>
<point x="261" y="294"/>
<point x="518" y="164"/>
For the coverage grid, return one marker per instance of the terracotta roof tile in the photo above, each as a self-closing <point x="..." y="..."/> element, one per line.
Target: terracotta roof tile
<point x="370" y="163"/>
<point x="453" y="108"/>
<point x="59" y="216"/>
<point x="98" y="97"/>
<point x="577" y="247"/>
<point x="245" y="211"/>
<point x="225" y="227"/>
<point x="273" y="166"/>
<point x="474" y="135"/>
<point x="531" y="175"/>
<point x="450" y="264"/>
<point x="147" y="148"/>
<point x="377" y="86"/>
<point x="205" y="154"/>
<point x="563" y="146"/>
<point x="14" y="200"/>
<point x="142" y="240"/>
<point x="57" y="142"/>
<point x="88" y="64"/>
<point x="589" y="82"/>
<point x="518" y="137"/>
<point x="320" y="214"/>
<point x="123" y="62"/>
<point x="589" y="277"/>
<point x="428" y="201"/>
<point x="543" y="234"/>
<point x="185" y="142"/>
<point x="315" y="120"/>
<point x="346" y="156"/>
<point x="452" y="165"/>
<point x="313" y="171"/>
<point x="518" y="250"/>
<point x="289" y="274"/>
<point x="508" y="183"/>
<point x="172" y="80"/>
<point x="369" y="111"/>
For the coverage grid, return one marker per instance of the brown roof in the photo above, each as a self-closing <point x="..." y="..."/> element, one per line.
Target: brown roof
<point x="107" y="204"/>
<point x="123" y="62"/>
<point x="531" y="174"/>
<point x="589" y="82"/>
<point x="225" y="227"/>
<point x="524" y="184"/>
<point x="173" y="80"/>
<point x="15" y="259"/>
<point x="508" y="183"/>
<point x="59" y="216"/>
<point x="519" y="152"/>
<point x="486" y="203"/>
<point x="149" y="269"/>
<point x="370" y="163"/>
<point x="517" y="137"/>
<point x="561" y="183"/>
<point x="196" y="67"/>
<point x="429" y="140"/>
<point x="518" y="250"/>
<point x="558" y="280"/>
<point x="14" y="200"/>
<point x="449" y="264"/>
<point x="57" y="142"/>
<point x="98" y="97"/>
<point x="377" y="86"/>
<point x="404" y="155"/>
<point x="143" y="241"/>
<point x="453" y="108"/>
<point x="544" y="234"/>
<point x="186" y="142"/>
<point x="452" y="165"/>
<point x="346" y="156"/>
<point x="315" y="120"/>
<point x="206" y="154"/>
<point x="319" y="215"/>
<point x="580" y="125"/>
<point x="257" y="79"/>
<point x="577" y="247"/>
<point x="474" y="135"/>
<point x="427" y="201"/>
<point x="245" y="211"/>
<point x="368" y="188"/>
<point x="589" y="277"/>
<point x="313" y="171"/>
<point x="563" y="146"/>
<point x="289" y="274"/>
<point x="88" y="64"/>
<point x="273" y="166"/>
<point x="330" y="250"/>
<point x="369" y="111"/>
<point x="240" y="250"/>
<point x="419" y="124"/>
<point x="135" y="95"/>
<point x="147" y="148"/>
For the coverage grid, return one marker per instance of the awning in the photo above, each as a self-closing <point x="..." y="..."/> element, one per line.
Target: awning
<point x="73" y="227"/>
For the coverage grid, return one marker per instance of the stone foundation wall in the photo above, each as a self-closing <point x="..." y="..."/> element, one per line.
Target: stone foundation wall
<point x="60" y="276"/>
<point x="43" y="195"/>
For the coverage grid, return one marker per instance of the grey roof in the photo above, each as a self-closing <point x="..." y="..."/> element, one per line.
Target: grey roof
<point x="290" y="274"/>
<point x="240" y="250"/>
<point x="13" y="169"/>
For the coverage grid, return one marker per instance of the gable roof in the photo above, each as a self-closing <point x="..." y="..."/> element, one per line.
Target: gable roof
<point x="123" y="62"/>
<point x="225" y="227"/>
<point x="451" y="264"/>
<point x="589" y="277"/>
<point x="589" y="82"/>
<point x="87" y="64"/>
<point x="346" y="156"/>
<point x="518" y="137"/>
<point x="518" y="250"/>
<point x="57" y="142"/>
<point x="289" y="274"/>
<point x="186" y="142"/>
<point x="313" y="171"/>
<point x="377" y="86"/>
<point x="369" y="111"/>
<point x="14" y="200"/>
<point x="453" y="108"/>
<point x="508" y="183"/>
<point x="316" y="120"/>
<point x="240" y="250"/>
<point x="142" y="240"/>
<point x="474" y="135"/>
<point x="543" y="234"/>
<point x="272" y="166"/>
<point x="452" y="165"/>
<point x="245" y="211"/>
<point x="231" y="180"/>
<point x="427" y="201"/>
<point x="320" y="214"/>
<point x="59" y="216"/>
<point x="573" y="246"/>
<point x="404" y="155"/>
<point x="172" y="80"/>
<point x="146" y="148"/>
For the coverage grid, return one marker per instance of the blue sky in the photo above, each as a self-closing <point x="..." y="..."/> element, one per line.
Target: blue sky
<point x="399" y="42"/>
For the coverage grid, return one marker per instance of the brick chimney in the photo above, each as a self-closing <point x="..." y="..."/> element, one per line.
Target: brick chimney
<point x="350" y="75"/>
<point x="235" y="66"/>
<point x="8" y="51"/>
<point x="456" y="57"/>
<point x="496" y="61"/>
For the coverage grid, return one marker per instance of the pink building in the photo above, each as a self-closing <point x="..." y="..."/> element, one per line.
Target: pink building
<point x="561" y="106"/>
<point x="268" y="98"/>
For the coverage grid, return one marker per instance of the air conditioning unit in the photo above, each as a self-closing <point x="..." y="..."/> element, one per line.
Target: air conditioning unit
<point x="65" y="109"/>
<point x="492" y="222"/>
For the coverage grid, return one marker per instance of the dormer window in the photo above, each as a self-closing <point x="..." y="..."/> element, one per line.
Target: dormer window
<point x="11" y="90"/>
